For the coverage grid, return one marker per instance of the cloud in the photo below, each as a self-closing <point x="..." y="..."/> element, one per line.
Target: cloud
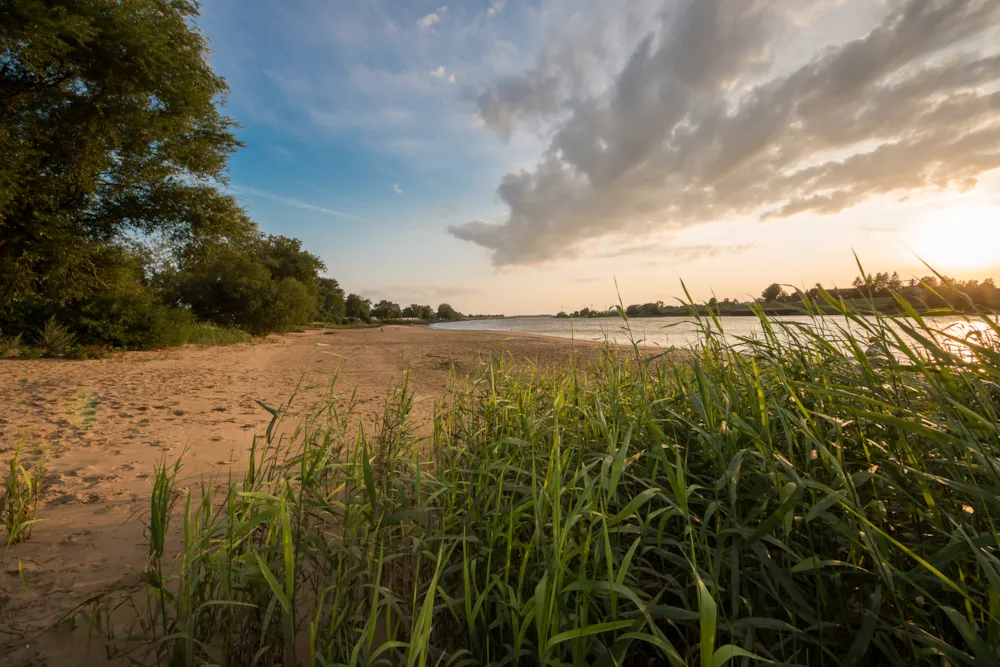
<point x="702" y="123"/>
<point x="428" y="21"/>
<point x="496" y="7"/>
<point x="441" y="73"/>
<point x="395" y="188"/>
<point x="677" y="254"/>
<point x="289" y="201"/>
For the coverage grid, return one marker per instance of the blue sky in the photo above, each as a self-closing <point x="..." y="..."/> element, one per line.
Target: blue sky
<point x="521" y="156"/>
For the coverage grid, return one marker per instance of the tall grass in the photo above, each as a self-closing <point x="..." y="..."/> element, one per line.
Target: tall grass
<point x="785" y="499"/>
<point x="21" y="495"/>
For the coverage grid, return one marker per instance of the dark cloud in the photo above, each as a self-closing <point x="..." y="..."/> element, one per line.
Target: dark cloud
<point x="696" y="125"/>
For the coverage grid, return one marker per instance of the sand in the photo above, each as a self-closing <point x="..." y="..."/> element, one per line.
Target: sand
<point x="107" y="423"/>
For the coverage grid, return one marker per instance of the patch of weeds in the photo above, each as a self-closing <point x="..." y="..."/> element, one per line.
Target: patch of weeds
<point x="22" y="492"/>
<point x="55" y="339"/>
<point x="9" y="344"/>
<point x="83" y="406"/>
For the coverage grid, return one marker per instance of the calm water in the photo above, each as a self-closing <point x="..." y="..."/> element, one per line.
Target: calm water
<point x="657" y="331"/>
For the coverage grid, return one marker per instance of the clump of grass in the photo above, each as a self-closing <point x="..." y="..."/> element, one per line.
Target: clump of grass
<point x="22" y="493"/>
<point x="9" y="344"/>
<point x="54" y="339"/>
<point x="781" y="498"/>
<point x="209" y="334"/>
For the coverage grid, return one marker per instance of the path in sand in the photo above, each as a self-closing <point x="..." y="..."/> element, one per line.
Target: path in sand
<point x="108" y="422"/>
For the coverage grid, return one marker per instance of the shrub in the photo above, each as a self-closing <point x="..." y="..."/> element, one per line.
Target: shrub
<point x="134" y="322"/>
<point x="209" y="334"/>
<point x="232" y="289"/>
<point x="55" y="339"/>
<point x="30" y="353"/>
<point x="9" y="344"/>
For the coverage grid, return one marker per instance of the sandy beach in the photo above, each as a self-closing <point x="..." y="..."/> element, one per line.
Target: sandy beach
<point x="107" y="423"/>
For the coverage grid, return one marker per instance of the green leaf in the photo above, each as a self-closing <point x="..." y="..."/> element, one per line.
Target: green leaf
<point x="272" y="581"/>
<point x="708" y="615"/>
<point x="729" y="651"/>
<point x="586" y="631"/>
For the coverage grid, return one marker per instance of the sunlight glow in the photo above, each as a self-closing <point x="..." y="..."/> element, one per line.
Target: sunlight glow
<point x="962" y="237"/>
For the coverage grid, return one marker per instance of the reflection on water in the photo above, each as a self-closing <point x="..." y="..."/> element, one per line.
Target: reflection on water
<point x="959" y="336"/>
<point x="955" y="333"/>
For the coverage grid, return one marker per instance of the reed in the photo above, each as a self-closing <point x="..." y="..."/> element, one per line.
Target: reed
<point x="788" y="499"/>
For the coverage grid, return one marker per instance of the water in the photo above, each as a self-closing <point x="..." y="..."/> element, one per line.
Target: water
<point x="666" y="332"/>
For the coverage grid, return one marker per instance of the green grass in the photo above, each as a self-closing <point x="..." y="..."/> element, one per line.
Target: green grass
<point x="788" y="499"/>
<point x="209" y="334"/>
<point x="21" y="495"/>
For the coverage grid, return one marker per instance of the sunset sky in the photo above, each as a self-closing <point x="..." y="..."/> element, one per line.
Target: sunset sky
<point x="520" y="156"/>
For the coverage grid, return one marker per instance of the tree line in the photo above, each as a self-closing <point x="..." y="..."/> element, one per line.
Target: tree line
<point x="929" y="292"/>
<point x="114" y="221"/>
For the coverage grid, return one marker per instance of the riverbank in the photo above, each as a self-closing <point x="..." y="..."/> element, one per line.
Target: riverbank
<point x="106" y="423"/>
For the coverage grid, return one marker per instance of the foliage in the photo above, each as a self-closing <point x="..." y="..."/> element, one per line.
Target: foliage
<point x="332" y="306"/>
<point x="772" y="292"/>
<point x="8" y="344"/>
<point x="109" y="126"/>
<point x="133" y="322"/>
<point x="386" y="310"/>
<point x="358" y="307"/>
<point x="54" y="339"/>
<point x="234" y="288"/>
<point x="21" y="496"/>
<point x="209" y="334"/>
<point x="785" y="500"/>
<point x="447" y="313"/>
<point x="419" y="312"/>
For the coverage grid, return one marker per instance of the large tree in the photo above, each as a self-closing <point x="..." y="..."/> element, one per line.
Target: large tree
<point x="110" y="130"/>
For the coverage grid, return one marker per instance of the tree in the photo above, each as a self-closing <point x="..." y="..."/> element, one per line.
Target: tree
<point x="109" y="128"/>
<point x="358" y="307"/>
<point x="446" y="312"/>
<point x="773" y="292"/>
<point x="387" y="310"/>
<point x="332" y="307"/>
<point x="234" y="288"/>
<point x="418" y="311"/>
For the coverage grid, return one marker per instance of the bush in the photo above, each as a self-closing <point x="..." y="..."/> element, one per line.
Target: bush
<point x="9" y="344"/>
<point x="134" y="322"/>
<point x="209" y="334"/>
<point x="55" y="339"/>
<point x="30" y="353"/>
<point x="232" y="289"/>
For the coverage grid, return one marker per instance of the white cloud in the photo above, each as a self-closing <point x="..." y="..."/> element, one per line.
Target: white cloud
<point x="441" y="73"/>
<point x="428" y="21"/>
<point x="496" y="7"/>
<point x="701" y="123"/>
<point x="395" y="188"/>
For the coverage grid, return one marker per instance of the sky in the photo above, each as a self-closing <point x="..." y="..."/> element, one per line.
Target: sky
<point x="530" y="156"/>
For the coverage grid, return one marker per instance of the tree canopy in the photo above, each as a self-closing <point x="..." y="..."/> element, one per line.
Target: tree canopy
<point x="109" y="128"/>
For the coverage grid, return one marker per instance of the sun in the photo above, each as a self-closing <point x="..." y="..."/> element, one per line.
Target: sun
<point x="965" y="237"/>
